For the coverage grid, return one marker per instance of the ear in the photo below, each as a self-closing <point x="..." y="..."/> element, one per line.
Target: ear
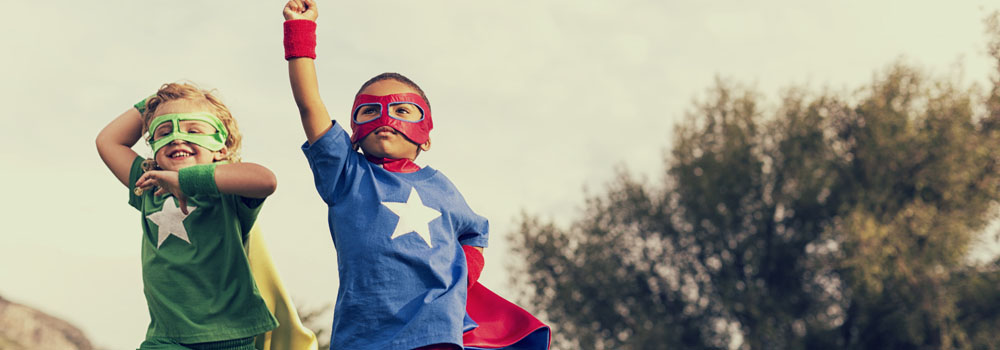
<point x="426" y="146"/>
<point x="221" y="154"/>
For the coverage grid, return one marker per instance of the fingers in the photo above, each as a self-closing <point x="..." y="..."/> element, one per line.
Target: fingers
<point x="145" y="182"/>
<point x="184" y="204"/>
<point x="139" y="190"/>
<point x="311" y="9"/>
<point x="295" y="9"/>
<point x="154" y="179"/>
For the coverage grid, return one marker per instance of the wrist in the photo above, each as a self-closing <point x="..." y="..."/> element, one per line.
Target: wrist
<point x="141" y="105"/>
<point x="300" y="38"/>
<point x="198" y="179"/>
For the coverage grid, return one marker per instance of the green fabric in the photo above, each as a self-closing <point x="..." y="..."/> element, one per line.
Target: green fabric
<point x="198" y="179"/>
<point x="232" y="344"/>
<point x="212" y="142"/>
<point x="141" y="105"/>
<point x="195" y="273"/>
<point x="167" y="344"/>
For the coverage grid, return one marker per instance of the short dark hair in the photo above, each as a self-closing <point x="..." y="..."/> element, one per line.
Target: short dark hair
<point x="397" y="77"/>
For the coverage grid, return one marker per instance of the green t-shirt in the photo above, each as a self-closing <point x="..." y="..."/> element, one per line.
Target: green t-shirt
<point x="195" y="272"/>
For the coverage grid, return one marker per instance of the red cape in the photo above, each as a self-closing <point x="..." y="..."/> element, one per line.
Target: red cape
<point x="502" y="324"/>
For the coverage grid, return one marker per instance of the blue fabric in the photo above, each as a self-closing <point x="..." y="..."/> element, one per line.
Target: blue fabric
<point x="402" y="292"/>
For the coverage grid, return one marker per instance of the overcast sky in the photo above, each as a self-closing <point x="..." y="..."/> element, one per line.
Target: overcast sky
<point x="534" y="101"/>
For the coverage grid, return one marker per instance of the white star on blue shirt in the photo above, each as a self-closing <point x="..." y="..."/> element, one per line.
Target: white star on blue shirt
<point x="414" y="216"/>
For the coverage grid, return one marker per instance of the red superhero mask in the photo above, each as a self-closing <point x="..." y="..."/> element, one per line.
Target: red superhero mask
<point x="417" y="131"/>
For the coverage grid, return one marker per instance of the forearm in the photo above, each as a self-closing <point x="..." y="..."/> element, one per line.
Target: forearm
<point x="245" y="179"/>
<point x="115" y="141"/>
<point x="305" y="85"/>
<point x="305" y="89"/>
<point x="300" y="51"/>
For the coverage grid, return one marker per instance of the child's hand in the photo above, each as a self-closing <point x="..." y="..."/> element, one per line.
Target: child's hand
<point x="167" y="182"/>
<point x="301" y="9"/>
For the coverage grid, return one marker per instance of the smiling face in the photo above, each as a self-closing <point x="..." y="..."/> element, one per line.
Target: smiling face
<point x="180" y="154"/>
<point x="386" y="142"/>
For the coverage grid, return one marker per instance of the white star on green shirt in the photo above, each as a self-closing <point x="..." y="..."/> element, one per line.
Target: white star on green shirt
<point x="170" y="221"/>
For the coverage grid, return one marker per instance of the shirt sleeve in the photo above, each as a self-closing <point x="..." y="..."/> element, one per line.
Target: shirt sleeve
<point x="247" y="210"/>
<point x="476" y="233"/>
<point x="331" y="158"/>
<point x="133" y="176"/>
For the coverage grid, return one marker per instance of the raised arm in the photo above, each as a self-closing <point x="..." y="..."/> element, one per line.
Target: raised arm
<point x="300" y="29"/>
<point x="245" y="179"/>
<point x="115" y="141"/>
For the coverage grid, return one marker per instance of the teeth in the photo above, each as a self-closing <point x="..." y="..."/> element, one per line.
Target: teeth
<point x="180" y="154"/>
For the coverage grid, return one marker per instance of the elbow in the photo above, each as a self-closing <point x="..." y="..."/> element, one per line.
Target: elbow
<point x="270" y="184"/>
<point x="305" y="110"/>
<point x="309" y="105"/>
<point x="101" y="142"/>
<point x="266" y="184"/>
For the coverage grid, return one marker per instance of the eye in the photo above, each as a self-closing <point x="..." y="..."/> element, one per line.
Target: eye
<point x="369" y="110"/>
<point x="402" y="110"/>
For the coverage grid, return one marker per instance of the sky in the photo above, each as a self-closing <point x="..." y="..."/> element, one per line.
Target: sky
<point x="537" y="104"/>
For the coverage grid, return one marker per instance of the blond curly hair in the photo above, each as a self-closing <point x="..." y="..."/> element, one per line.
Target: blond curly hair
<point x="185" y="91"/>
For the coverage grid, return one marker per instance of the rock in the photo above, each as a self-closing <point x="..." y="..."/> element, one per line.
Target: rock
<point x="24" y="328"/>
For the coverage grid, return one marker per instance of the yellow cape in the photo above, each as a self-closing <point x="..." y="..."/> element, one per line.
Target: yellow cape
<point x="290" y="334"/>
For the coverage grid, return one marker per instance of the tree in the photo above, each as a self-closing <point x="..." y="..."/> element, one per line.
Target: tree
<point x="832" y="221"/>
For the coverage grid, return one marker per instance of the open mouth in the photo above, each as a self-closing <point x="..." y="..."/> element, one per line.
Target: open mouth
<point x="180" y="154"/>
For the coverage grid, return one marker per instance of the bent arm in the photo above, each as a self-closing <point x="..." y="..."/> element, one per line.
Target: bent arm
<point x="245" y="179"/>
<point x="475" y="260"/>
<point x="305" y="87"/>
<point x="115" y="141"/>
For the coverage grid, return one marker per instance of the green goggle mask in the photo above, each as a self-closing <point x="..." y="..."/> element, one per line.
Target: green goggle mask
<point x="212" y="142"/>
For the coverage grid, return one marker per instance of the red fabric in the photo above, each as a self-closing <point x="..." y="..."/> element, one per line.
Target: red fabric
<point x="501" y="323"/>
<point x="417" y="131"/>
<point x="300" y="38"/>
<point x="395" y="165"/>
<point x="474" y="258"/>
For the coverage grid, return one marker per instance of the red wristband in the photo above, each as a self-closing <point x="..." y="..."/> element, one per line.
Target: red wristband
<point x="300" y="38"/>
<point x="474" y="258"/>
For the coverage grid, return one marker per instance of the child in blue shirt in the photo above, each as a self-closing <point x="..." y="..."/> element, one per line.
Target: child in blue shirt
<point x="409" y="248"/>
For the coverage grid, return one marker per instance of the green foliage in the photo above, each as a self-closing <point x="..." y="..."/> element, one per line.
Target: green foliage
<point x="828" y="222"/>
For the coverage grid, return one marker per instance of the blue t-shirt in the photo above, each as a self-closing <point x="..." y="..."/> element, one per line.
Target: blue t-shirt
<point x="399" y="240"/>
